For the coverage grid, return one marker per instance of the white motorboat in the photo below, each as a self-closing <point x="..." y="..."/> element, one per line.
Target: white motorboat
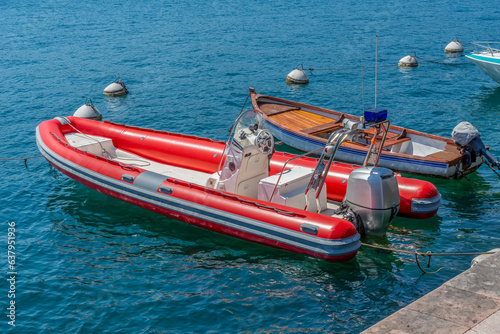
<point x="486" y="55"/>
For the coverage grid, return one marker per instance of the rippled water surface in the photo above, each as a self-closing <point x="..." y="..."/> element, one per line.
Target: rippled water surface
<point x="89" y="263"/>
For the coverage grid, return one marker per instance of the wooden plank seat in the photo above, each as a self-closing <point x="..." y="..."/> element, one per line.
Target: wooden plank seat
<point x="325" y="127"/>
<point x="299" y="120"/>
<point x="391" y="138"/>
<point x="271" y="109"/>
<point x="395" y="141"/>
<point x="390" y="135"/>
<point x="449" y="153"/>
<point x="331" y="126"/>
<point x="369" y="133"/>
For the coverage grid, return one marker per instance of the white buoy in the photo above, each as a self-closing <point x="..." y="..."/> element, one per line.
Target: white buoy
<point x="454" y="47"/>
<point x="117" y="88"/>
<point x="297" y="76"/>
<point x="89" y="111"/>
<point x="408" y="61"/>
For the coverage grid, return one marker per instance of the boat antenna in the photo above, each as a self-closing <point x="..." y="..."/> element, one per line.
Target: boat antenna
<point x="376" y="65"/>
<point x="362" y="79"/>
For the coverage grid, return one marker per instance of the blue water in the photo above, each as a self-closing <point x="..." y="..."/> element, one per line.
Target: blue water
<point x="88" y="263"/>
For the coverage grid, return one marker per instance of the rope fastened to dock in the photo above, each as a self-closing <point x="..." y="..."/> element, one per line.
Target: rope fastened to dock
<point x="428" y="254"/>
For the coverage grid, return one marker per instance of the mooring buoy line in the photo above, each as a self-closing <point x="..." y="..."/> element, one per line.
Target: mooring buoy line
<point x="440" y="62"/>
<point x="345" y="68"/>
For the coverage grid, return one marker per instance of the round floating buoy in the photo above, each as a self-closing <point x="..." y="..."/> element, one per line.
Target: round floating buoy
<point x="117" y="88"/>
<point x="408" y="61"/>
<point x="297" y="76"/>
<point x="89" y="111"/>
<point x="454" y="47"/>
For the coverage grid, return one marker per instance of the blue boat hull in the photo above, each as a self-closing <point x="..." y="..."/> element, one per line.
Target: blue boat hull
<point x="401" y="164"/>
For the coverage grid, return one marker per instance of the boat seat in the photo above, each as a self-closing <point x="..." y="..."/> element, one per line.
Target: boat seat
<point x="448" y="153"/>
<point x="289" y="190"/>
<point x="390" y="135"/>
<point x="96" y="145"/>
<point x="271" y="109"/>
<point x="392" y="142"/>
<point x="341" y="119"/>
<point x="331" y="126"/>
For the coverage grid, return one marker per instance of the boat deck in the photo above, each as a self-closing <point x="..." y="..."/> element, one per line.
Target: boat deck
<point x="185" y="174"/>
<point x="295" y="118"/>
<point x="104" y="147"/>
<point x="300" y="120"/>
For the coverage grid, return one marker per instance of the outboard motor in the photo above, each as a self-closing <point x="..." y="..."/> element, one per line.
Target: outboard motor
<point x="467" y="137"/>
<point x="373" y="195"/>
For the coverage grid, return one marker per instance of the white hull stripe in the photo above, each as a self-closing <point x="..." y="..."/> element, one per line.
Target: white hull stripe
<point x="262" y="229"/>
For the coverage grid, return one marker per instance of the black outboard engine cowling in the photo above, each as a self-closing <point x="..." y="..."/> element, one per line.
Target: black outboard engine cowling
<point x="468" y="138"/>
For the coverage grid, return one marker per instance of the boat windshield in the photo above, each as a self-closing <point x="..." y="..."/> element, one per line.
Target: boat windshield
<point x="246" y="126"/>
<point x="248" y="122"/>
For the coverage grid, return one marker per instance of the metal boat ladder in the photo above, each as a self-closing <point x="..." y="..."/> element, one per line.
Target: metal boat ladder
<point x="336" y="139"/>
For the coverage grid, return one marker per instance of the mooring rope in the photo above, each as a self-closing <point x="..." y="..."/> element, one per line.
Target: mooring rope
<point x="345" y="68"/>
<point x="439" y="62"/>
<point x="468" y="46"/>
<point x="428" y="253"/>
<point x="25" y="159"/>
<point x="33" y="157"/>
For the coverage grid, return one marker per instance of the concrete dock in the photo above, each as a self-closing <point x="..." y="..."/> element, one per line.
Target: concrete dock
<point x="468" y="303"/>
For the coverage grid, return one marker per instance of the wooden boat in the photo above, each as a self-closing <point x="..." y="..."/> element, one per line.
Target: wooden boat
<point x="307" y="128"/>
<point x="239" y="188"/>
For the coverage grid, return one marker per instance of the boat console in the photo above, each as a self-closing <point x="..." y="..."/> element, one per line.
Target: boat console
<point x="247" y="156"/>
<point x="245" y="170"/>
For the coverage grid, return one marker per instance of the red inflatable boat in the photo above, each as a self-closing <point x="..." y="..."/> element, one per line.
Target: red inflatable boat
<point x="239" y="188"/>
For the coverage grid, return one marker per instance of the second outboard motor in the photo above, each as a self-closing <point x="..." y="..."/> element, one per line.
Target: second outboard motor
<point x="373" y="194"/>
<point x="468" y="138"/>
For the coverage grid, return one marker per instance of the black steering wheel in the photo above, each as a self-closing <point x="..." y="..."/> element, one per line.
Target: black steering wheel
<point x="265" y="142"/>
